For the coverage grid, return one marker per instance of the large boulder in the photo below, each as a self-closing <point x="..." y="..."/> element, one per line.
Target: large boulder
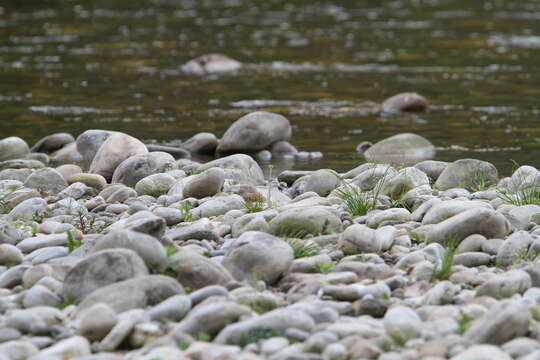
<point x="506" y="284"/>
<point x="101" y="269"/>
<point x="477" y="220"/>
<point x="402" y="324"/>
<point x="443" y="210"/>
<point x="137" y="167"/>
<point x="208" y="183"/>
<point x="255" y="131"/>
<point x="28" y="209"/>
<point x="13" y="148"/>
<point x="483" y="352"/>
<point x="135" y="293"/>
<point x="144" y="222"/>
<point x="196" y="271"/>
<point x="514" y="247"/>
<point x="46" y="180"/>
<point x="201" y="143"/>
<point x="471" y="174"/>
<point x="404" y="148"/>
<point x="146" y="246"/>
<point x="322" y="182"/>
<point x="521" y="216"/>
<point x="504" y="321"/>
<point x="212" y="317"/>
<point x="405" y="184"/>
<point x="279" y="320"/>
<point x="89" y="142"/>
<point x="218" y="205"/>
<point x="359" y="238"/>
<point x="115" y="149"/>
<point x="52" y="143"/>
<point x="238" y="167"/>
<point x="305" y="221"/>
<point x="257" y="255"/>
<point x="211" y="64"/>
<point x="68" y="155"/>
<point x="432" y="168"/>
<point x="155" y="185"/>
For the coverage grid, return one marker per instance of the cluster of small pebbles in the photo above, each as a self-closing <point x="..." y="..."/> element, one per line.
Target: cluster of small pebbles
<point x="114" y="249"/>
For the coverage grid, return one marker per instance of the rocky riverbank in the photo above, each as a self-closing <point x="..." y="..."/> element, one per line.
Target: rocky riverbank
<point x="115" y="249"/>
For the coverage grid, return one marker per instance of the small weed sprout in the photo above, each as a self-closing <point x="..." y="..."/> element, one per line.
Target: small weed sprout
<point x="183" y="345"/>
<point x="255" y="335"/>
<point x="417" y="238"/>
<point x="464" y="322"/>
<point x="444" y="271"/>
<point x="256" y="282"/>
<point x="72" y="242"/>
<point x="203" y="337"/>
<point x="302" y="248"/>
<point x="261" y="305"/>
<point x="185" y="209"/>
<point x="68" y="300"/>
<point x="325" y="268"/>
<point x="85" y="221"/>
<point x="170" y="250"/>
<point x="289" y="233"/>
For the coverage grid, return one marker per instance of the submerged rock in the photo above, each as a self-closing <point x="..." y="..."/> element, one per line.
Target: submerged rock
<point x="255" y="131"/>
<point x="211" y="64"/>
<point x="405" y="148"/>
<point x="405" y="102"/>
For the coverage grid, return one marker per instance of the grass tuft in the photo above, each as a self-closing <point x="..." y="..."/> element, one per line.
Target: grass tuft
<point x="170" y="250"/>
<point x="417" y="238"/>
<point x="255" y="335"/>
<point x="68" y="300"/>
<point x="185" y="209"/>
<point x="464" y="322"/>
<point x="445" y="270"/>
<point x="358" y="202"/>
<point x="480" y="181"/>
<point x="325" y="268"/>
<point x="302" y="248"/>
<point x="72" y="243"/>
<point x="525" y="193"/>
<point x="254" y="206"/>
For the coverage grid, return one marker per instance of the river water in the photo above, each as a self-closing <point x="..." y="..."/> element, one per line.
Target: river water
<point x="73" y="65"/>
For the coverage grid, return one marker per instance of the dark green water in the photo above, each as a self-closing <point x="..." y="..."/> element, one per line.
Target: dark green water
<point x="74" y="65"/>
